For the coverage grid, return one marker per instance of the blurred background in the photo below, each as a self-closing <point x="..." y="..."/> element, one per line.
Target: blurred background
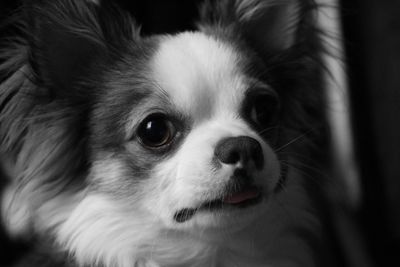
<point x="372" y="48"/>
<point x="367" y="228"/>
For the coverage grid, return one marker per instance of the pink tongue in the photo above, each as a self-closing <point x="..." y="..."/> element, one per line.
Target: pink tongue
<point x="241" y="197"/>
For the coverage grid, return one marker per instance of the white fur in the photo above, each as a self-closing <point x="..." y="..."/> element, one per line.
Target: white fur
<point x="200" y="74"/>
<point x="105" y="230"/>
<point x="16" y="214"/>
<point x="102" y="229"/>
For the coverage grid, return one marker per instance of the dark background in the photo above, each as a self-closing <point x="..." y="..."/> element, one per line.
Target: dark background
<point x="372" y="46"/>
<point x="372" y="42"/>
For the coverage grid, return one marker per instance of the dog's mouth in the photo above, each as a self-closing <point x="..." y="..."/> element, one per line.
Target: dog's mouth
<point x="243" y="198"/>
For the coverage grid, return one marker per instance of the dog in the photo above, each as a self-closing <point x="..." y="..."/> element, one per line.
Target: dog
<point x="163" y="150"/>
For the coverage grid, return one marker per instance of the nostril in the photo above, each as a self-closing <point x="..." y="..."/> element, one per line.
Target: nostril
<point x="256" y="155"/>
<point x="231" y="158"/>
<point x="241" y="149"/>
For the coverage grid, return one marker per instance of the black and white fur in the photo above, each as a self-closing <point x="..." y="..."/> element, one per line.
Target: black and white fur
<point x="80" y="80"/>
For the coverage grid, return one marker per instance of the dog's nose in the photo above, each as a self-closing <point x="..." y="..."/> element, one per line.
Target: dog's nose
<point x="241" y="149"/>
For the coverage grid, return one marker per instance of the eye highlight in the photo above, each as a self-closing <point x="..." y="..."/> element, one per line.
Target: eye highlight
<point x="156" y="131"/>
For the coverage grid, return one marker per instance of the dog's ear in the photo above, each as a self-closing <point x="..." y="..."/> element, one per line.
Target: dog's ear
<point x="69" y="38"/>
<point x="269" y="26"/>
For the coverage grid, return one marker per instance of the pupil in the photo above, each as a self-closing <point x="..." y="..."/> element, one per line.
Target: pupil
<point x="265" y="110"/>
<point x="156" y="132"/>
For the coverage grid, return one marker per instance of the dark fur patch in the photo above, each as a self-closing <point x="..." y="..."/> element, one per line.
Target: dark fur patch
<point x="295" y="74"/>
<point x="68" y="51"/>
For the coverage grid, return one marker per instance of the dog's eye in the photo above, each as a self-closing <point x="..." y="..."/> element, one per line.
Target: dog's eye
<point x="264" y="110"/>
<point x="156" y="131"/>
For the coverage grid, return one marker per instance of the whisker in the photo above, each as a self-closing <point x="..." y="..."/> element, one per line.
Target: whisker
<point x="294" y="140"/>
<point x="308" y="167"/>
<point x="306" y="174"/>
<point x="263" y="131"/>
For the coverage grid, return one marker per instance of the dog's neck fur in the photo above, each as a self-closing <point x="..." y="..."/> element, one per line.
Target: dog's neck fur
<point x="260" y="244"/>
<point x="273" y="240"/>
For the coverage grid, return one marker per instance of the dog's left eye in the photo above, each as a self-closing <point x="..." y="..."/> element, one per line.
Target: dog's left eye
<point x="264" y="110"/>
<point x="156" y="131"/>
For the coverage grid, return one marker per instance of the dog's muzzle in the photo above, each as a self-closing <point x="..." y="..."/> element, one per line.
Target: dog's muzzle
<point x="245" y="155"/>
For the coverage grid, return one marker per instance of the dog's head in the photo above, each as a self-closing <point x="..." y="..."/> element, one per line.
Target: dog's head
<point x="186" y="133"/>
<point x="162" y="132"/>
<point x="197" y="137"/>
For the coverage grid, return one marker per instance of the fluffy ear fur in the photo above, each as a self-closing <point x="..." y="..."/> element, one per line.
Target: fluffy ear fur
<point x="70" y="37"/>
<point x="269" y="25"/>
<point x="46" y="98"/>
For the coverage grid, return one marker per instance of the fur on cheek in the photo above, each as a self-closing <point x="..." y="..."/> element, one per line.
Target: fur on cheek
<point x="100" y="231"/>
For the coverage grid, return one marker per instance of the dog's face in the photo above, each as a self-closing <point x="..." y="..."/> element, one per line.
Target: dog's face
<point x="125" y="136"/>
<point x="194" y="148"/>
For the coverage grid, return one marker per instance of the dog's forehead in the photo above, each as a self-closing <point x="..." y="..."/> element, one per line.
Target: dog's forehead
<point x="200" y="74"/>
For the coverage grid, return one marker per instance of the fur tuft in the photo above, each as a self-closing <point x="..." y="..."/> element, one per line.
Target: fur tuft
<point x="44" y="116"/>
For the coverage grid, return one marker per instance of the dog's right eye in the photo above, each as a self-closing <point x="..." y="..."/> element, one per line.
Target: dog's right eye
<point x="156" y="131"/>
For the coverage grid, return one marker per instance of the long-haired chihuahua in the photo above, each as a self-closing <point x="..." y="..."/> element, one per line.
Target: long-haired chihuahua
<point x="166" y="150"/>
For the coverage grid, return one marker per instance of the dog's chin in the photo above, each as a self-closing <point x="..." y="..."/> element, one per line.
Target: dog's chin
<point x="233" y="209"/>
